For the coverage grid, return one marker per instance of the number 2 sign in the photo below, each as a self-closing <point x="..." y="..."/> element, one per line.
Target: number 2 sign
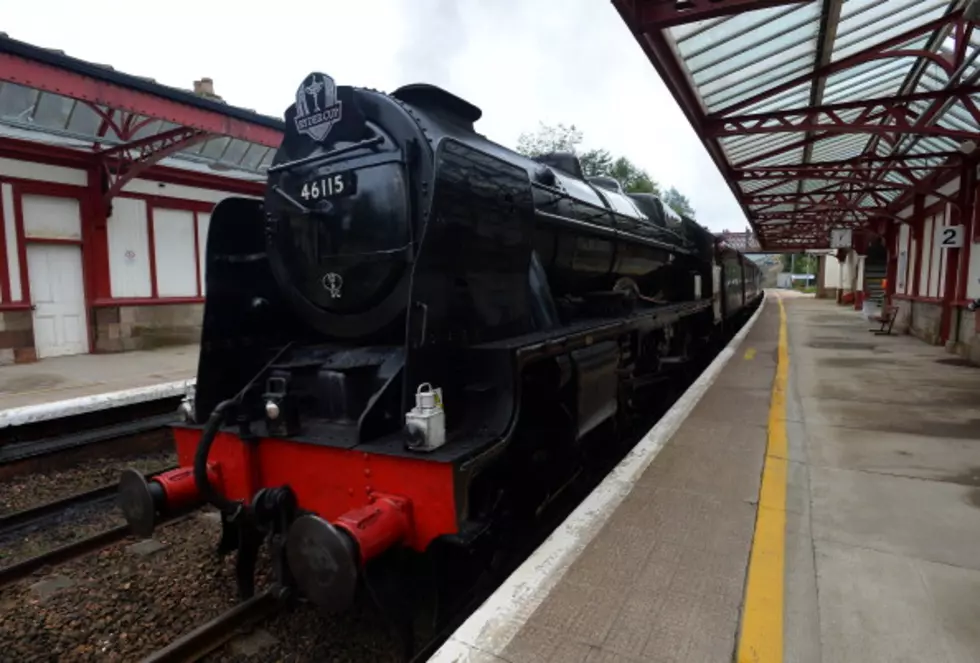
<point x="949" y="237"/>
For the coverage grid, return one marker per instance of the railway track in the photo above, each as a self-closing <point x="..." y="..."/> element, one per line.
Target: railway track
<point x="45" y="446"/>
<point x="200" y="642"/>
<point x="53" y="513"/>
<point x="60" y="443"/>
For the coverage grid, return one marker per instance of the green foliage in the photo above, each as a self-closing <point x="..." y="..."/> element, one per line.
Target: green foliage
<point x="799" y="263"/>
<point x="596" y="162"/>
<point x="679" y="202"/>
<point x="547" y="138"/>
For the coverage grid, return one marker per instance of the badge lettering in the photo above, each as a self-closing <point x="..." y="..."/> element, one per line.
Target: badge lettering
<point x="317" y="108"/>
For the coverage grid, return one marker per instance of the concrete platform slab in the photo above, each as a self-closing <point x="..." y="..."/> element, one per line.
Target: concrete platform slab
<point x="887" y="467"/>
<point x="79" y="378"/>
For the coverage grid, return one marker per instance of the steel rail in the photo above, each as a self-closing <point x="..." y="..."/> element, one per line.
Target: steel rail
<point x="19" y="519"/>
<point x="196" y="644"/>
<point x="17" y="451"/>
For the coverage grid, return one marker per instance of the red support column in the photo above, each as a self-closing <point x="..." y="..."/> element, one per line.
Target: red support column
<point x="969" y="220"/>
<point x="918" y="225"/>
<point x="891" y="272"/>
<point x="960" y="215"/>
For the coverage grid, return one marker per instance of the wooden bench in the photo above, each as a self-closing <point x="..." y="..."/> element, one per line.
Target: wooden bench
<point x="887" y="318"/>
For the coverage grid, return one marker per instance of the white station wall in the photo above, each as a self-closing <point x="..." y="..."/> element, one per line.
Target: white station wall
<point x="172" y="248"/>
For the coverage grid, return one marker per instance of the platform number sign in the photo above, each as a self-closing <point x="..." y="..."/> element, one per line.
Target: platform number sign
<point x="949" y="237"/>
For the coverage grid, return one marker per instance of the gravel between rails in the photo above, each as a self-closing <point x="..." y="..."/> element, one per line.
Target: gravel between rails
<point x="122" y="606"/>
<point x="302" y="634"/>
<point x="24" y="492"/>
<point x="58" y="531"/>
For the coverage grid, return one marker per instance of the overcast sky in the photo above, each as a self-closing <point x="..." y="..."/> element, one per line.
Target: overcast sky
<point x="573" y="62"/>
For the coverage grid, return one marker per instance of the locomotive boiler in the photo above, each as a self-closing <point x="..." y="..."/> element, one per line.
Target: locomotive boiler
<point x="418" y="337"/>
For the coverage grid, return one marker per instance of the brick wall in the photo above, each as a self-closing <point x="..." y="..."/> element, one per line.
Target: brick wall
<point x="122" y="328"/>
<point x="16" y="337"/>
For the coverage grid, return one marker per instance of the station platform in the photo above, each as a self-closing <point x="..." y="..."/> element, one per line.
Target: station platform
<point x="814" y="496"/>
<point x="64" y="386"/>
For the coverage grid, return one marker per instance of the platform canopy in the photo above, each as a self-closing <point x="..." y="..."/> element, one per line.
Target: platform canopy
<point x="128" y="123"/>
<point x="821" y="114"/>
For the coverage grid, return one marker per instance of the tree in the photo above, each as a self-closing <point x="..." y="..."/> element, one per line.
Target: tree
<point x="596" y="162"/>
<point x="548" y="138"/>
<point x="678" y="202"/>
<point x="633" y="179"/>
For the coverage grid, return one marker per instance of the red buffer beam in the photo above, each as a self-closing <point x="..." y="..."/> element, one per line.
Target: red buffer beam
<point x="44" y="77"/>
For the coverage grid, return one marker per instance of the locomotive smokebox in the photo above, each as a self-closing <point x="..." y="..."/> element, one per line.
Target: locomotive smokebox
<point x="323" y="560"/>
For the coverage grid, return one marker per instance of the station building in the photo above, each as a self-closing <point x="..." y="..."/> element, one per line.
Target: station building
<point x="107" y="182"/>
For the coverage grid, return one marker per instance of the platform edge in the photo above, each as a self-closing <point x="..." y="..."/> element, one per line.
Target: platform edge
<point x="491" y="627"/>
<point x="30" y="414"/>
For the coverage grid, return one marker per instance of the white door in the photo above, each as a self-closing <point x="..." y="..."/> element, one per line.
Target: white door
<point x="55" y="273"/>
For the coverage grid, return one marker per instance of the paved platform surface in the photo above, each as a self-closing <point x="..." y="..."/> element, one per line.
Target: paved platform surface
<point x="864" y="454"/>
<point x="883" y="495"/>
<point x="63" y="378"/>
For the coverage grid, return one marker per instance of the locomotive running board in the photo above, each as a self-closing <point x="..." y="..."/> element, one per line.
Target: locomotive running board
<point x="581" y="334"/>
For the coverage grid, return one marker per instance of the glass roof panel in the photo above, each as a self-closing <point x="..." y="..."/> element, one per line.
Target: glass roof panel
<point x="732" y="59"/>
<point x="16" y="101"/>
<point x="84" y="120"/>
<point x="76" y="124"/>
<point x="53" y="111"/>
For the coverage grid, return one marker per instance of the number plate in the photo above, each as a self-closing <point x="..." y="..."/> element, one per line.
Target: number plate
<point x="324" y="187"/>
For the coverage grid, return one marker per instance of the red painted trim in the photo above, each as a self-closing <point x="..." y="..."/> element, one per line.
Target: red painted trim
<point x="657" y="15"/>
<point x="918" y="222"/>
<point x="145" y="301"/>
<point x="197" y="255"/>
<point x="54" y="240"/>
<point x="42" y="188"/>
<point x="25" y="285"/>
<point x="99" y="246"/>
<point x="49" y="78"/>
<point x="5" y="295"/>
<point x="15" y="306"/>
<point x="203" y="181"/>
<point x="969" y="232"/>
<point x="51" y="155"/>
<point x="152" y="254"/>
<point x="13" y="148"/>
<point x="921" y="298"/>
<point x="891" y="266"/>
<point x="932" y="250"/>
<point x="167" y="202"/>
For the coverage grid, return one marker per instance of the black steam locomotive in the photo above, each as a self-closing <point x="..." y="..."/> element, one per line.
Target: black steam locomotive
<point x="419" y="335"/>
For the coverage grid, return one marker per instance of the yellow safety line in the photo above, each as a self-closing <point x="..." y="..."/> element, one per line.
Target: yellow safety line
<point x="761" y="636"/>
